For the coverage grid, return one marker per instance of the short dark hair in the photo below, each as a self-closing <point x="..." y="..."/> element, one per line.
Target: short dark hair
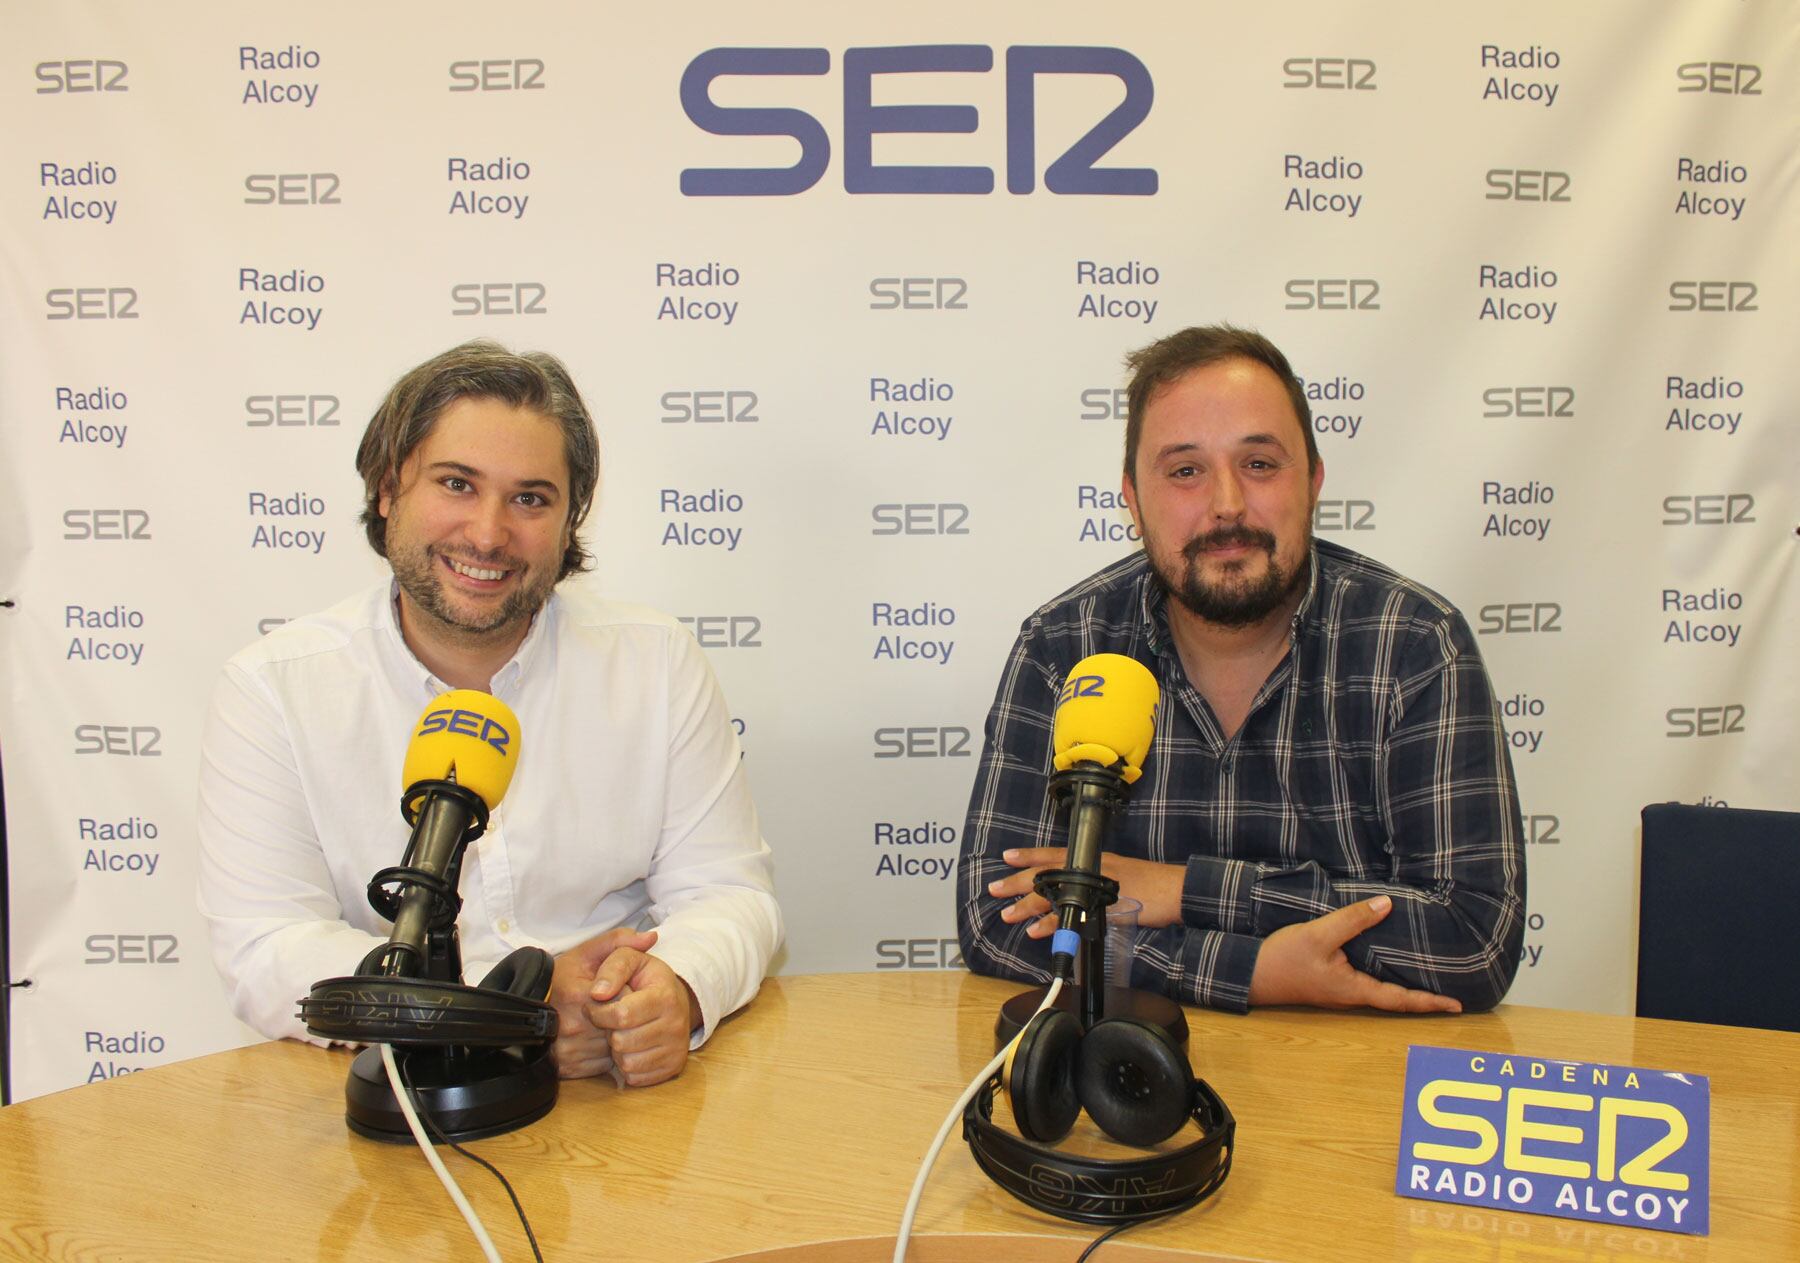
<point x="1163" y="361"/>
<point x="479" y="370"/>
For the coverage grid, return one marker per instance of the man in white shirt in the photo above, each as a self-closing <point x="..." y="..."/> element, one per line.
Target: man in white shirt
<point x="629" y="806"/>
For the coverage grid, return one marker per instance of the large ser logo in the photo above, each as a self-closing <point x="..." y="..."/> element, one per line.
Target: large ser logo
<point x="1073" y="172"/>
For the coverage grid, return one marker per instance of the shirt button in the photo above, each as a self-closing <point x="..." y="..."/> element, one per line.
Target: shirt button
<point x="505" y="926"/>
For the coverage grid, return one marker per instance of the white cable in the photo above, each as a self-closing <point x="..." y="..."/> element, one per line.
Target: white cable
<point x="437" y="1164"/>
<point x="937" y="1144"/>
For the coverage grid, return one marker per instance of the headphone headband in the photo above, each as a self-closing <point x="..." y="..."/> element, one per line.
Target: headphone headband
<point x="416" y="1011"/>
<point x="1104" y="1190"/>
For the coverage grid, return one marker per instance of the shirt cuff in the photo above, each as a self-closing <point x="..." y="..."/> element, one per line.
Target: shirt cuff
<point x="1227" y="984"/>
<point x="1216" y="895"/>
<point x="692" y="969"/>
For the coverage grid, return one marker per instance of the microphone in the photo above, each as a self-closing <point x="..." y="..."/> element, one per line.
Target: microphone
<point x="1105" y="719"/>
<point x="1101" y="733"/>
<point x="457" y="768"/>
<point x="479" y="1056"/>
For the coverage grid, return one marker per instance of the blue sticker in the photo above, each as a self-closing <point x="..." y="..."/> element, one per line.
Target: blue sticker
<point x="1612" y="1144"/>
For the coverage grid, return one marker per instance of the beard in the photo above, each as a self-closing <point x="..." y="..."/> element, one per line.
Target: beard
<point x="415" y="569"/>
<point x="1234" y="601"/>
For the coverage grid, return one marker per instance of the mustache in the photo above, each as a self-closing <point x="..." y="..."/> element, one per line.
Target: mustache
<point x="1227" y="537"/>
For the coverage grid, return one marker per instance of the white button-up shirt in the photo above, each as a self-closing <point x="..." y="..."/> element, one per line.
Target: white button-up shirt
<point x="629" y="805"/>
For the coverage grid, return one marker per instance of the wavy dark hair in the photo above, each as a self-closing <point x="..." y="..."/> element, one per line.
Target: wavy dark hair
<point x="480" y="370"/>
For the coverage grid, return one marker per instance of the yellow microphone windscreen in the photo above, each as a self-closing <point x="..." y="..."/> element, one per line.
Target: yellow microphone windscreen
<point x="466" y="736"/>
<point x="1106" y="715"/>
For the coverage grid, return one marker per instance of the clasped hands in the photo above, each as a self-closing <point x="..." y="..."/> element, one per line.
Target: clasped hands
<point x="1297" y="964"/>
<point x="621" y="1007"/>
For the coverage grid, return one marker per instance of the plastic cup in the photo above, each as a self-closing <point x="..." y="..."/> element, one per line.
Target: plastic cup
<point x="1121" y="930"/>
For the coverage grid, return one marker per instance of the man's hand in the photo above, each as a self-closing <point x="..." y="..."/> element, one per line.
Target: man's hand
<point x="582" y="1049"/>
<point x="1156" y="886"/>
<point x="1305" y="964"/>
<point x="647" y="1012"/>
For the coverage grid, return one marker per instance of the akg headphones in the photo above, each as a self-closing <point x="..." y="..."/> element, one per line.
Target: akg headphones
<point x="1136" y="1085"/>
<point x="507" y="1009"/>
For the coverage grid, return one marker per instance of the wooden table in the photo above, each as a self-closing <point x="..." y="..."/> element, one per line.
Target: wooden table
<point x="802" y="1124"/>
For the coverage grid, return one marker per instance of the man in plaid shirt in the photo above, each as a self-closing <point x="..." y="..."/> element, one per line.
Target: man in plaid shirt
<point x="1327" y="815"/>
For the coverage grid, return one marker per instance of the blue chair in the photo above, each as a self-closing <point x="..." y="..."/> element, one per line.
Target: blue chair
<point x="1719" y="916"/>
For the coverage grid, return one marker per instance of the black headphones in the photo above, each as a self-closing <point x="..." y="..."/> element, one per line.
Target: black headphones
<point x="508" y="1008"/>
<point x="1135" y="1083"/>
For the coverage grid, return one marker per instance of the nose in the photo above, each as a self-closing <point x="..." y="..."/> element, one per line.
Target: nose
<point x="486" y="529"/>
<point x="1228" y="496"/>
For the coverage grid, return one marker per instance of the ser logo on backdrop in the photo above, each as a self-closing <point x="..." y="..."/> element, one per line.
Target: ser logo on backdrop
<point x="1352" y="293"/>
<point x="1725" y="296"/>
<point x="1704" y="721"/>
<point x="1332" y="74"/>
<point x="1527" y="184"/>
<point x="1718" y="509"/>
<point x="920" y="519"/>
<point x="716" y="406"/>
<point x="132" y="949"/>
<point x="1526" y="402"/>
<point x="92" y="302"/>
<point x="292" y="188"/>
<point x="106" y="524"/>
<point x="1074" y="172"/>
<point x="290" y="411"/>
<point x="923" y="742"/>
<point x="82" y="74"/>
<point x="498" y="74"/>
<point x="130" y="741"/>
<point x="725" y="631"/>
<point x="1344" y="515"/>
<point x="499" y="298"/>
<point x="1727" y="78"/>
<point x="918" y="953"/>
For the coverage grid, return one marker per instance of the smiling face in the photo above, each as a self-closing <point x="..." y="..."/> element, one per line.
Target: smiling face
<point x="477" y="523"/>
<point x="1222" y="494"/>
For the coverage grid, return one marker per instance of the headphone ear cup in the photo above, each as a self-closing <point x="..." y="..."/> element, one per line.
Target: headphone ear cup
<point x="1133" y="1081"/>
<point x="526" y="974"/>
<point x="1040" y="1077"/>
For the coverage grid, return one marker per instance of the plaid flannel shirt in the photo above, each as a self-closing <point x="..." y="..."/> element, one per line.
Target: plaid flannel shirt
<point x="1373" y="761"/>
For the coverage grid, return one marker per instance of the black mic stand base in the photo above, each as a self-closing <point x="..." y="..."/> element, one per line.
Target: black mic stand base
<point x="468" y="1092"/>
<point x="1120" y="1002"/>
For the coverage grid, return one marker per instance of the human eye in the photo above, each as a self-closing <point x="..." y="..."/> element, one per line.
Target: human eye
<point x="533" y="500"/>
<point x="453" y="482"/>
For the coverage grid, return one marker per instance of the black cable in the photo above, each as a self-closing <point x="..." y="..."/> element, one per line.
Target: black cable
<point x="1201" y="1194"/>
<point x="425" y="1115"/>
<point x="1116" y="1229"/>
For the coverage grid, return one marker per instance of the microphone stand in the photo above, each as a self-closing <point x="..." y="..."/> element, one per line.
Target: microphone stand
<point x="1081" y="894"/>
<point x="469" y="1092"/>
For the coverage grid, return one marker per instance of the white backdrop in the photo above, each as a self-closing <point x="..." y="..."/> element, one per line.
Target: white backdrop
<point x="1536" y="263"/>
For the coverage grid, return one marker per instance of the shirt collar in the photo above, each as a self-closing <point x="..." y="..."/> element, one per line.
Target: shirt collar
<point x="505" y="684"/>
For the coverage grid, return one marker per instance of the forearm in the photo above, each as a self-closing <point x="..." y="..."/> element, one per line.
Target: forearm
<point x="267" y="971"/>
<point x="275" y="922"/>
<point x="1454" y="938"/>
<point x="720" y="946"/>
